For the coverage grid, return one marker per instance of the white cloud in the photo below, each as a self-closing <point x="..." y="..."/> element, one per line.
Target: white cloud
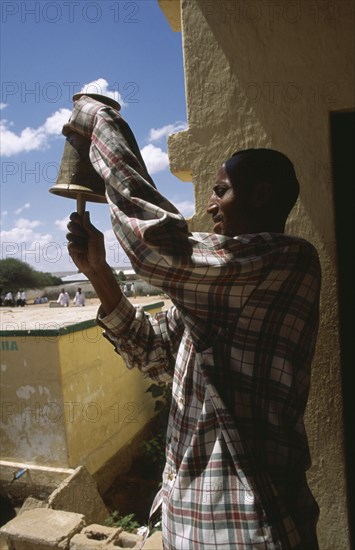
<point x="22" y="230"/>
<point x="187" y="208"/>
<point x="19" y="210"/>
<point x="155" y="158"/>
<point x="28" y="140"/>
<point x="101" y="87"/>
<point x="34" y="139"/>
<point x="62" y="224"/>
<point x="31" y="139"/>
<point x="2" y="105"/>
<point x="156" y="134"/>
<point x="24" y="233"/>
<point x="25" y="242"/>
<point x="56" y="121"/>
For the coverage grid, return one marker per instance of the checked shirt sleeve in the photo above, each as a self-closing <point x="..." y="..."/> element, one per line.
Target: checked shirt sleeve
<point x="146" y="342"/>
<point x="204" y="274"/>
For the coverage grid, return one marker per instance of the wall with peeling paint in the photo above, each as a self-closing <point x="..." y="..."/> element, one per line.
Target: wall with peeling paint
<point x="67" y="398"/>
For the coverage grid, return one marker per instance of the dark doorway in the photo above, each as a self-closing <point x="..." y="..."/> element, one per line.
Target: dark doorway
<point x="342" y="125"/>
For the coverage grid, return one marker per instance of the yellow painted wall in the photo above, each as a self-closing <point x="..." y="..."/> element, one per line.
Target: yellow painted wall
<point x="105" y="403"/>
<point x="67" y="399"/>
<point x="31" y="396"/>
<point x="267" y="74"/>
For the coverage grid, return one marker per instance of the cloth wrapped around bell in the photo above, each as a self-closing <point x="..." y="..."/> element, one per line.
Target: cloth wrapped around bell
<point x="77" y="177"/>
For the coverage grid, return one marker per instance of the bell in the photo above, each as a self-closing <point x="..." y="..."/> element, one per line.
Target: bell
<point x="77" y="178"/>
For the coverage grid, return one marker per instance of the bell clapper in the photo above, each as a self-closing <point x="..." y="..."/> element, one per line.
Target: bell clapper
<point x="80" y="204"/>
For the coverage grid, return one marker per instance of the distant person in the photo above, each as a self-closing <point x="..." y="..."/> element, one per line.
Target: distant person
<point x="22" y="298"/>
<point x="9" y="299"/>
<point x="79" y="298"/>
<point x="63" y="298"/>
<point x="18" y="298"/>
<point x="133" y="290"/>
<point x="37" y="300"/>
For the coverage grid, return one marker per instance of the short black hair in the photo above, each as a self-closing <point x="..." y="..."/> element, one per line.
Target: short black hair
<point x="265" y="165"/>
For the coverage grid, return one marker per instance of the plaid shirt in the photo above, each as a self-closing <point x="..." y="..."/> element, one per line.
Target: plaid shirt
<point x="237" y="345"/>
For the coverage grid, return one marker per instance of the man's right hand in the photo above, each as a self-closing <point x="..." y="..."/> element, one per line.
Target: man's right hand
<point x="86" y="245"/>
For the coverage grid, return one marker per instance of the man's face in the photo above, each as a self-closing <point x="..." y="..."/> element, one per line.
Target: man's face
<point x="226" y="208"/>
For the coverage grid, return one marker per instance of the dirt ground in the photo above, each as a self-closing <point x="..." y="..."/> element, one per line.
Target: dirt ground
<point x="43" y="316"/>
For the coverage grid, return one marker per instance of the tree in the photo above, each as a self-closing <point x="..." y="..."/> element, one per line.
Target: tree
<point x="15" y="275"/>
<point x="120" y="276"/>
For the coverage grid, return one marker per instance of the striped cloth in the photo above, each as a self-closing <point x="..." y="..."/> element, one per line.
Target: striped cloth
<point x="237" y="345"/>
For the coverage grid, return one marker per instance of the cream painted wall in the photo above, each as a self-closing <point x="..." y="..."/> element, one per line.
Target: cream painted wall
<point x="267" y="74"/>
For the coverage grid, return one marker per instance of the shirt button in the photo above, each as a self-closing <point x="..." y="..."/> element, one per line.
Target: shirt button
<point x="181" y="400"/>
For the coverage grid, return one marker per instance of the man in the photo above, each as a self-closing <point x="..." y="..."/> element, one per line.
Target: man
<point x="63" y="298"/>
<point x="79" y="298"/>
<point x="9" y="299"/>
<point x="237" y="343"/>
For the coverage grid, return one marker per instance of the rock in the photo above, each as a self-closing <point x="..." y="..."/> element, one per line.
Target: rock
<point x="99" y="537"/>
<point x="31" y="504"/>
<point x="42" y="529"/>
<point x="78" y="493"/>
<point x="154" y="542"/>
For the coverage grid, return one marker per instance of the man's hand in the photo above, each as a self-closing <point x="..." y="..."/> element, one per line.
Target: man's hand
<point x="86" y="245"/>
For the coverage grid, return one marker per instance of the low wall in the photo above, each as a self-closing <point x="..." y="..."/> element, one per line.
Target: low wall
<point x="67" y="398"/>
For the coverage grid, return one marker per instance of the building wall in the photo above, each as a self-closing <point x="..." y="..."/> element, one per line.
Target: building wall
<point x="267" y="74"/>
<point x="68" y="398"/>
<point x="31" y="429"/>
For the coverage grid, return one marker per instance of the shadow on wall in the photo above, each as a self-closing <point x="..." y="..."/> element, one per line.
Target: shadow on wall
<point x="273" y="79"/>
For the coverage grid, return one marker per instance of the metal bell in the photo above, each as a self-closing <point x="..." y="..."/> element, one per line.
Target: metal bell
<point x="77" y="178"/>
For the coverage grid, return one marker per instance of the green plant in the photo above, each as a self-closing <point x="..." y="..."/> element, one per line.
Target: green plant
<point x="16" y="275"/>
<point x="154" y="449"/>
<point x="128" y="523"/>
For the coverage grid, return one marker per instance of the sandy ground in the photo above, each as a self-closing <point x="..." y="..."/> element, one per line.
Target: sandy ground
<point x="42" y="316"/>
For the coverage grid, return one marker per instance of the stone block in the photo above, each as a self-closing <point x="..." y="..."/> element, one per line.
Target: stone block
<point x="94" y="537"/>
<point x="42" y="529"/>
<point x="126" y="540"/>
<point x="3" y="543"/>
<point x="32" y="504"/>
<point x="99" y="537"/>
<point x="154" y="542"/>
<point x="78" y="493"/>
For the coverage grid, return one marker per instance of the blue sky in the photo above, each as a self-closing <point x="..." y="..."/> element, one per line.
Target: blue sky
<point x="51" y="50"/>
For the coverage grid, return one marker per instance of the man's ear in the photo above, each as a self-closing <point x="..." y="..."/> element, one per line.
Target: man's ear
<point x="261" y="194"/>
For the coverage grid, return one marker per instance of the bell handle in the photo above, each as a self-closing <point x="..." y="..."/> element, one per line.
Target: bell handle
<point x="80" y="204"/>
